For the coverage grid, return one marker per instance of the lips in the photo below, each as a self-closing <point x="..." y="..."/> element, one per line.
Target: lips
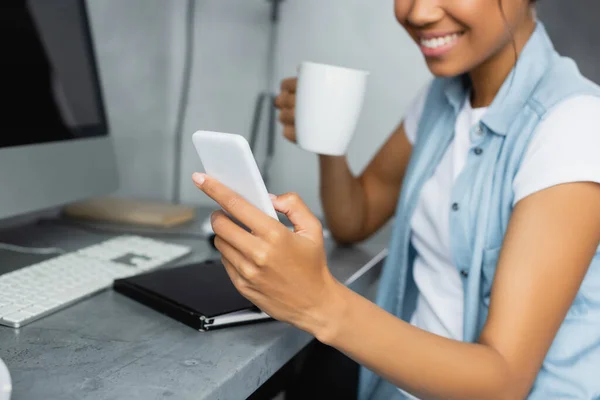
<point x="438" y="44"/>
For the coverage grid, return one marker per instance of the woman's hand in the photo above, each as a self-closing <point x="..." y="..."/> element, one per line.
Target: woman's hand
<point x="283" y="273"/>
<point x="286" y="103"/>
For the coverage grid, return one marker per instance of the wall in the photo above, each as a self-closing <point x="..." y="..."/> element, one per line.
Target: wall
<point x="228" y="74"/>
<point x="132" y="41"/>
<point x="140" y="44"/>
<point x="574" y="31"/>
<point x="354" y="33"/>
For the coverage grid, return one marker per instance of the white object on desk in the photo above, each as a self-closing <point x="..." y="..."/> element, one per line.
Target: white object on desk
<point x="40" y="289"/>
<point x="5" y="382"/>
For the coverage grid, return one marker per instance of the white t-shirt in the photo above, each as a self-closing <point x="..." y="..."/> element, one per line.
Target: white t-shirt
<point x="565" y="148"/>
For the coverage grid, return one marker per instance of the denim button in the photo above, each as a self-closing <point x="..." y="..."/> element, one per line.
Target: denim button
<point x="478" y="150"/>
<point x="455" y="207"/>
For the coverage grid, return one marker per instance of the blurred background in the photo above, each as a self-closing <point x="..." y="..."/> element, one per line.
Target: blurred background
<point x="144" y="47"/>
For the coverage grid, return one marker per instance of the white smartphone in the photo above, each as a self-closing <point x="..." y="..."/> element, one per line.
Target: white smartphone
<point x="228" y="158"/>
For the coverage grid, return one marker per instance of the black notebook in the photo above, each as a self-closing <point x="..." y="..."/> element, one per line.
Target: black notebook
<point x="199" y="295"/>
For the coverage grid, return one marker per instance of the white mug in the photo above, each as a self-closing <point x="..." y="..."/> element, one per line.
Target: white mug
<point x="328" y="104"/>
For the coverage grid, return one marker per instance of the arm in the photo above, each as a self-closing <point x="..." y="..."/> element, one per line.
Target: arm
<point x="356" y="207"/>
<point x="551" y="239"/>
<point x="285" y="274"/>
<point x="537" y="258"/>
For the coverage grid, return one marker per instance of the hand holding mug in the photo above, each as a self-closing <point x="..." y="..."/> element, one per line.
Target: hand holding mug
<point x="319" y="110"/>
<point x="286" y="103"/>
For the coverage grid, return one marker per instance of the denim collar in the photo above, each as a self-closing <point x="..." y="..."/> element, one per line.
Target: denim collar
<point x="517" y="88"/>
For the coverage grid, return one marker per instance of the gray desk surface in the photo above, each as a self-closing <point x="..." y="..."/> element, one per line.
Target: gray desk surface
<point x="110" y="347"/>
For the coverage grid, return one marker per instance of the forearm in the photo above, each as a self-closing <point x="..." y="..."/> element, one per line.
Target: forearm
<point x="343" y="200"/>
<point x="427" y="365"/>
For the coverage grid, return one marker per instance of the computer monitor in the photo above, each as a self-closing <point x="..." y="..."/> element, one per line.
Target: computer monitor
<point x="54" y="136"/>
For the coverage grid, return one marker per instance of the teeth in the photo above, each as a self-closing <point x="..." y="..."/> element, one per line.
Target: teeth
<point x="439" y="41"/>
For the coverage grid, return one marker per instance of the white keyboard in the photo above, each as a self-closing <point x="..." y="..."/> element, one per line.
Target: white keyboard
<point x="37" y="290"/>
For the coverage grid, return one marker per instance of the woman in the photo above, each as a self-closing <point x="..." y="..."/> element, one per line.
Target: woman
<point x="492" y="284"/>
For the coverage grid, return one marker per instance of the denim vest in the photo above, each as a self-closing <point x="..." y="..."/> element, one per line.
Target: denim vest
<point x="481" y="207"/>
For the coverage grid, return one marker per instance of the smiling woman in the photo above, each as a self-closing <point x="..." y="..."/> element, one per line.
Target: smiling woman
<point x="472" y="36"/>
<point x="490" y="288"/>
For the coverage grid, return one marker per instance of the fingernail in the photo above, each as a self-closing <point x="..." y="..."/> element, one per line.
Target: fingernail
<point x="272" y="196"/>
<point x="198" y="178"/>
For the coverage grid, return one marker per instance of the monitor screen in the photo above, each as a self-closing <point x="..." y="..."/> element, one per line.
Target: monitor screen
<point x="49" y="85"/>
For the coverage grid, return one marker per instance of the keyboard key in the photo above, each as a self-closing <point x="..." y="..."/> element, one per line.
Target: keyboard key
<point x="11" y="308"/>
<point x="34" y="309"/>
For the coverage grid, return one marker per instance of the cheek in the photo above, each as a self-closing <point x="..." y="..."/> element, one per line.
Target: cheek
<point x="488" y="36"/>
<point x="487" y="33"/>
<point x="490" y="23"/>
<point x="477" y="46"/>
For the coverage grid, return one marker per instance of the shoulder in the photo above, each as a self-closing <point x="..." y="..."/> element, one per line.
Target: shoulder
<point x="573" y="122"/>
<point x="561" y="82"/>
<point x="571" y="109"/>
<point x="564" y="147"/>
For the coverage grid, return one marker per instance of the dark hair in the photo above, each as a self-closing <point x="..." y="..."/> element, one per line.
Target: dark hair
<point x="510" y="32"/>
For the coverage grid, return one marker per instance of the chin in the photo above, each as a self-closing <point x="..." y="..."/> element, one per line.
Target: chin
<point x="445" y="68"/>
<point x="448" y="67"/>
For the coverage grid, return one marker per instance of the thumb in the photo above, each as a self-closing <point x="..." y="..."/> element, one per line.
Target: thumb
<point x="305" y="223"/>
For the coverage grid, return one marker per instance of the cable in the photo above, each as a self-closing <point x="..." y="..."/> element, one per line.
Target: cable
<point x="269" y="96"/>
<point x="184" y="98"/>
<point x="272" y="45"/>
<point x="185" y="89"/>
<point x="271" y="89"/>
<point x="31" y="250"/>
<point x="104" y="230"/>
